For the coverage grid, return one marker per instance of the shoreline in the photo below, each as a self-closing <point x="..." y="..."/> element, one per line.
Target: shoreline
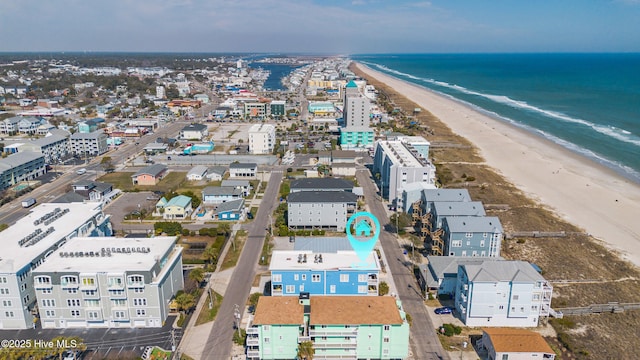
<point x="558" y="178"/>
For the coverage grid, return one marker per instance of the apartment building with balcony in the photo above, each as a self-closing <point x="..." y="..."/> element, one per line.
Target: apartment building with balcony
<point x="262" y="138"/>
<point x="472" y="236"/>
<point x="323" y="273"/>
<point x="21" y="166"/>
<point x="397" y="164"/>
<point x="340" y="327"/>
<point x="320" y="209"/>
<point x="109" y="282"/>
<point x="53" y="147"/>
<point x="88" y="144"/>
<point x="32" y="239"/>
<point x="501" y="293"/>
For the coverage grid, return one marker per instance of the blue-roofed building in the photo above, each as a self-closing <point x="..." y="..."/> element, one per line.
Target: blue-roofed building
<point x="330" y="273"/>
<point x="472" y="236"/>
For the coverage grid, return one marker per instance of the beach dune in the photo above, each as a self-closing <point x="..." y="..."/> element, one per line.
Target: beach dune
<point x="584" y="193"/>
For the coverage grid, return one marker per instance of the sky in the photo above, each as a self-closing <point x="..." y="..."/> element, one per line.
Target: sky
<point x="321" y="26"/>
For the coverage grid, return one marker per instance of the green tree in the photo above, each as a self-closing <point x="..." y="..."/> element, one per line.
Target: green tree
<point x="306" y="350"/>
<point x="210" y="255"/>
<point x="172" y="92"/>
<point x="107" y="164"/>
<point x="383" y="289"/>
<point x="195" y="200"/>
<point x="185" y="301"/>
<point x="197" y="275"/>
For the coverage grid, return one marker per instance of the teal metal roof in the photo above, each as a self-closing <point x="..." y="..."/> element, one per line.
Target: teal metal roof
<point x="351" y="84"/>
<point x="180" y="200"/>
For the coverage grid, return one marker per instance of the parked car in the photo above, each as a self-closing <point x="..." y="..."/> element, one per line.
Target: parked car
<point x="81" y="171"/>
<point x="443" y="310"/>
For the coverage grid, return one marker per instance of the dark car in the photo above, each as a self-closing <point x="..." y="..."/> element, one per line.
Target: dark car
<point x="443" y="310"/>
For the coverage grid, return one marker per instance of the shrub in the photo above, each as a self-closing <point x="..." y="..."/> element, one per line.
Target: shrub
<point x="471" y="178"/>
<point x="450" y="330"/>
<point x="383" y="289"/>
<point x="185" y="232"/>
<point x="181" y="320"/>
<point x="521" y="241"/>
<point x="239" y="337"/>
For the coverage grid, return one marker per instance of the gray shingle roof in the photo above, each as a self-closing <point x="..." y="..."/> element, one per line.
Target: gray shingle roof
<point x="446" y="195"/>
<point x="194" y="127"/>
<point x="48" y="140"/>
<point x="220" y="170"/>
<point x="459" y="208"/>
<point x="233" y="205"/>
<point x="322" y="244"/>
<point x="321" y="183"/>
<point x="243" y="165"/>
<point x="235" y="183"/>
<point x="92" y="135"/>
<point x="220" y="190"/>
<point x="491" y="271"/>
<point x="474" y="224"/>
<point x="322" y="197"/>
<point x="153" y="170"/>
<point x="19" y="158"/>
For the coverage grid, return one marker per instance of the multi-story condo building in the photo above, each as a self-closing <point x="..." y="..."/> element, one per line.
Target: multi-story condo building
<point x="329" y="273"/>
<point x="472" y="236"/>
<point x="53" y="147"/>
<point x="109" y="282"/>
<point x="442" y="209"/>
<point x="30" y="124"/>
<point x="502" y="293"/>
<point x="21" y="166"/>
<point x="399" y="164"/>
<point x="32" y="239"/>
<point x="262" y="138"/>
<point x="255" y="110"/>
<point x="356" y="132"/>
<point x="340" y="327"/>
<point x="89" y="144"/>
<point x="243" y="170"/>
<point x="9" y="126"/>
<point x="277" y="108"/>
<point x="320" y="209"/>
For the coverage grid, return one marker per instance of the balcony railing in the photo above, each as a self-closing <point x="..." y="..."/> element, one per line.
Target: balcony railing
<point x="253" y="353"/>
<point x="253" y="341"/>
<point x="342" y="345"/>
<point x="333" y="332"/>
<point x="253" y="330"/>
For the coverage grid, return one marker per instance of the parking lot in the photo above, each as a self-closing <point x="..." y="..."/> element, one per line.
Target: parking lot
<point x="128" y="203"/>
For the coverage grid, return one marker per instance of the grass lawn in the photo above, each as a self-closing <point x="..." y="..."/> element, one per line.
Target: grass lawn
<point x="158" y="354"/>
<point x="231" y="259"/>
<point x="265" y="256"/>
<point x="254" y="211"/>
<point x="122" y="181"/>
<point x="207" y="314"/>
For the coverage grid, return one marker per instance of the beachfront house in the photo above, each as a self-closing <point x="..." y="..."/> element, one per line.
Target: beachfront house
<point x="442" y="209"/>
<point x="507" y="343"/>
<point x="501" y="293"/>
<point x="340" y="327"/>
<point x="472" y="236"/>
<point x="323" y="273"/>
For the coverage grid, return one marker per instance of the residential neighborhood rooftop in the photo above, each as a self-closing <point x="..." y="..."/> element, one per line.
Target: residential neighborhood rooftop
<point x="348" y="310"/>
<point x="308" y="260"/>
<point x="470" y="224"/>
<point x="221" y="190"/>
<point x="505" y="270"/>
<point x="281" y="310"/>
<point x="517" y="340"/>
<point x="322" y="244"/>
<point x="322" y="197"/>
<point x="243" y="165"/>
<point x="153" y="170"/>
<point x="321" y="183"/>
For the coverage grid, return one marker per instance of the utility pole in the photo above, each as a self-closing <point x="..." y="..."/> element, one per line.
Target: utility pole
<point x="236" y="316"/>
<point x="173" y="340"/>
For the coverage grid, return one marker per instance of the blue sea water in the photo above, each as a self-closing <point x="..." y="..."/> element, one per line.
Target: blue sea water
<point x="588" y="103"/>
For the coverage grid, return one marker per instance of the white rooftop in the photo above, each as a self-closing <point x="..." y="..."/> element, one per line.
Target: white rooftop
<point x="340" y="260"/>
<point x="31" y="229"/>
<point x="110" y="254"/>
<point x="399" y="154"/>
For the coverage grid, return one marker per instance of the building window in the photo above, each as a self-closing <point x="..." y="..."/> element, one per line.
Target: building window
<point x="141" y="312"/>
<point x="46" y="291"/>
<point x="290" y="289"/>
<point x="481" y="243"/>
<point x="115" y="281"/>
<point x="301" y="288"/>
<point x="362" y="277"/>
<point x="73" y="302"/>
<point x="139" y="302"/>
<point x="3" y="280"/>
<point x="75" y="313"/>
<point x="516" y="297"/>
<point x="48" y="303"/>
<point x="501" y="307"/>
<point x="135" y="280"/>
<point x="6" y="303"/>
<point x="118" y="302"/>
<point x="5" y="291"/>
<point x="119" y="315"/>
<point x="69" y="280"/>
<point x="304" y="277"/>
<point x="276" y="277"/>
<point x="296" y="277"/>
<point x="456" y="243"/>
<point x="92" y="303"/>
<point x="50" y="313"/>
<point x="332" y="289"/>
<point x="344" y="277"/>
<point x="89" y="293"/>
<point x="362" y="289"/>
<point x="8" y="314"/>
<point x="72" y="291"/>
<point x="93" y="315"/>
<point x="266" y="340"/>
<point x="469" y="235"/>
<point x="138" y="290"/>
<point x="43" y="280"/>
<point x="387" y="327"/>
<point x="315" y="277"/>
<point x="88" y="281"/>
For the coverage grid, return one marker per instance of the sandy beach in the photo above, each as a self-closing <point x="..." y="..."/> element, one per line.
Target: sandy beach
<point x="584" y="193"/>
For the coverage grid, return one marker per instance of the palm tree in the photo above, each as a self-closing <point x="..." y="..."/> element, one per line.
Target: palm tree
<point x="210" y="255"/>
<point x="306" y="350"/>
<point x="185" y="301"/>
<point x="197" y="275"/>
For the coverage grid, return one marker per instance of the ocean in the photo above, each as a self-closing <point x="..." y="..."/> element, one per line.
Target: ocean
<point x="587" y="103"/>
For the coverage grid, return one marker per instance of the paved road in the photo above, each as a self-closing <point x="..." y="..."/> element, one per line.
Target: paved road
<point x="424" y="340"/>
<point x="218" y="345"/>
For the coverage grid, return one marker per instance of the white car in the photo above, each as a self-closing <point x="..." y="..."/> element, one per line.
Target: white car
<point x="81" y="171"/>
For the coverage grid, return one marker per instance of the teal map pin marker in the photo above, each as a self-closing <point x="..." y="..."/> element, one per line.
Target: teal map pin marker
<point x="367" y="230"/>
